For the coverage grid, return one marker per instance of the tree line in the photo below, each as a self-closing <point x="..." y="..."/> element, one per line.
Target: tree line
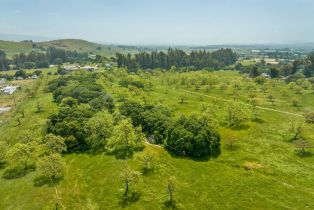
<point x="178" y="58"/>
<point x="298" y="69"/>
<point x="36" y="59"/>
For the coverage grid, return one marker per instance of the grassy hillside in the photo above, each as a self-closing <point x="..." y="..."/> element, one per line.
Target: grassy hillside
<point x="261" y="171"/>
<point x="79" y="45"/>
<point x="12" y="48"/>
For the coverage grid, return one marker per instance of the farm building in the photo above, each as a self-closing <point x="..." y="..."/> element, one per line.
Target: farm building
<point x="265" y="75"/>
<point x="4" y="109"/>
<point x="71" y="67"/>
<point x="9" y="89"/>
<point x="89" y="68"/>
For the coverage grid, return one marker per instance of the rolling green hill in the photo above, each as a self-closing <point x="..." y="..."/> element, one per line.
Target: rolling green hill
<point x="12" y="48"/>
<point x="79" y="45"/>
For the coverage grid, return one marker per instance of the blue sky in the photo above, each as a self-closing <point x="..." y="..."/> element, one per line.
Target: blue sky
<point x="169" y="22"/>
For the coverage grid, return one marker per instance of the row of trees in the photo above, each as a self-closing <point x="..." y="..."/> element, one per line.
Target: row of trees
<point x="35" y="59"/>
<point x="4" y="62"/>
<point x="179" y="58"/>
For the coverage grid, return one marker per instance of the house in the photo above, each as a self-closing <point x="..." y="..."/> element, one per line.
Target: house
<point x="4" y="109"/>
<point x="34" y="76"/>
<point x="19" y="78"/>
<point x="71" y="67"/>
<point x="51" y="66"/>
<point x="88" y="68"/>
<point x="265" y="75"/>
<point x="92" y="57"/>
<point x="9" y="89"/>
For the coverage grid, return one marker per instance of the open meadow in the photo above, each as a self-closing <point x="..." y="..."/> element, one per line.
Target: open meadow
<point x="258" y="167"/>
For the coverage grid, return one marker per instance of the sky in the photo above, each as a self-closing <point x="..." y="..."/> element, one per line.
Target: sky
<point x="162" y="22"/>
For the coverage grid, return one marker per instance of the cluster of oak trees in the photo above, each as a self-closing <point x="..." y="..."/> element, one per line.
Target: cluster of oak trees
<point x="193" y="135"/>
<point x="87" y="119"/>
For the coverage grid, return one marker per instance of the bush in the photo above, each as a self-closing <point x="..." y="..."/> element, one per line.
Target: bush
<point x="260" y="80"/>
<point x="55" y="144"/>
<point x="3" y="149"/>
<point x="309" y="117"/>
<point x="237" y="115"/>
<point x="69" y="123"/>
<point x="37" y="72"/>
<point x="295" y="102"/>
<point x="193" y="136"/>
<point x="125" y="139"/>
<point x="20" y="156"/>
<point x="29" y="65"/>
<point x="49" y="168"/>
<point x="98" y="129"/>
<point x="20" y="73"/>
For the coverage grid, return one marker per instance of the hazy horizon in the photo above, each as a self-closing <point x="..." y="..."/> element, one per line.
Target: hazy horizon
<point x="174" y="22"/>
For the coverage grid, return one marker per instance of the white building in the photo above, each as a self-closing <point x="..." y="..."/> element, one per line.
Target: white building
<point x="2" y="81"/>
<point x="34" y="76"/>
<point x="9" y="89"/>
<point x="265" y="75"/>
<point x="88" y="68"/>
<point x="4" y="109"/>
<point x="71" y="67"/>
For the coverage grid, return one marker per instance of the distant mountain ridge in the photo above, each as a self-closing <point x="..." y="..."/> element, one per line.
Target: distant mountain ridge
<point x="13" y="47"/>
<point x="80" y="45"/>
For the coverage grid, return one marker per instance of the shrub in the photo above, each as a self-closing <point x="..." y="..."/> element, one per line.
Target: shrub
<point x="50" y="168"/>
<point x="309" y="117"/>
<point x="55" y="144"/>
<point x="193" y="136"/>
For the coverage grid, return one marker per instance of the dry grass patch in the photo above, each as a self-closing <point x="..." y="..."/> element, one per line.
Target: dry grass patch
<point x="249" y="166"/>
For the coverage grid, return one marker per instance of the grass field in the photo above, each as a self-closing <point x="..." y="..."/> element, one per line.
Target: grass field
<point x="12" y="48"/>
<point x="279" y="179"/>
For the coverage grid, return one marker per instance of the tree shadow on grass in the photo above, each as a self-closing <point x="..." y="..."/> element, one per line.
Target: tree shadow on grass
<point x="184" y="157"/>
<point x="14" y="173"/>
<point x="129" y="199"/>
<point x="147" y="171"/>
<point x="169" y="205"/>
<point x="232" y="148"/>
<point x="258" y="120"/>
<point x="304" y="154"/>
<point x="123" y="156"/>
<point x="240" y="127"/>
<point x="41" y="181"/>
<point x="2" y="165"/>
